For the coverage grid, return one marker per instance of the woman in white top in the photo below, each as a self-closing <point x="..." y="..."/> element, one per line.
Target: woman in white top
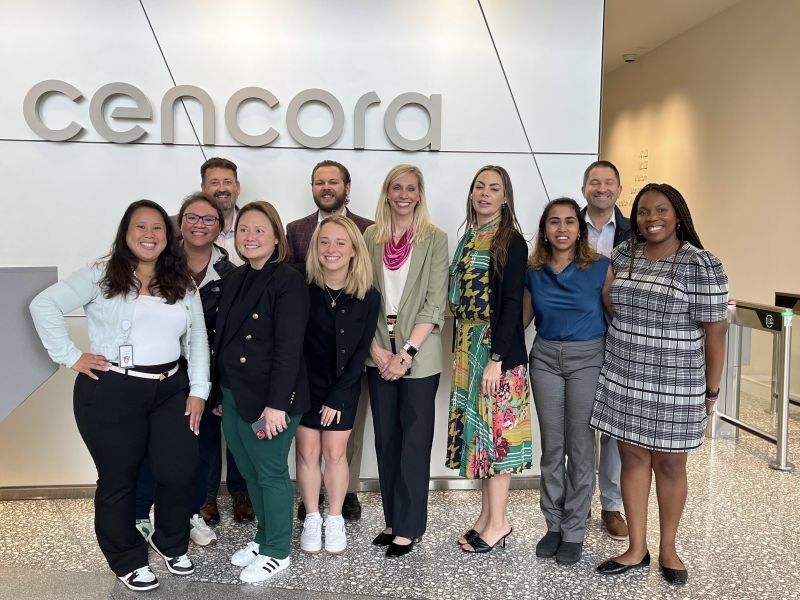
<point x="409" y="262"/>
<point x="131" y="398"/>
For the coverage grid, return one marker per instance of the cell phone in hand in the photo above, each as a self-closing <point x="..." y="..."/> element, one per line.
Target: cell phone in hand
<point x="260" y="427"/>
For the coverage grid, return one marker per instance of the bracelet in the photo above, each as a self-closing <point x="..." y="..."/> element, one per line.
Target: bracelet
<point x="410" y="349"/>
<point x="712" y="395"/>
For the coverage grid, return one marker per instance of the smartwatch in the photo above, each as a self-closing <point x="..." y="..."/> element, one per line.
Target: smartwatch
<point x="496" y="357"/>
<point x="410" y="349"/>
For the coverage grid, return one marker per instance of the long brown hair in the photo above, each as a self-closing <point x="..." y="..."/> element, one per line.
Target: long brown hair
<point x="508" y="226"/>
<point x="172" y="279"/>
<point x="542" y="251"/>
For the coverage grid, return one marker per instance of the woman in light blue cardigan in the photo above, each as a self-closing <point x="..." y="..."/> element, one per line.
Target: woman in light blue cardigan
<point x="132" y="396"/>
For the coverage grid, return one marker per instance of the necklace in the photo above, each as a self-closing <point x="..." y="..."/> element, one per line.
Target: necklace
<point x="333" y="300"/>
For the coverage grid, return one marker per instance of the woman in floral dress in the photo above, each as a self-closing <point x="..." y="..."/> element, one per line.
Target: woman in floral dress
<point x="489" y="434"/>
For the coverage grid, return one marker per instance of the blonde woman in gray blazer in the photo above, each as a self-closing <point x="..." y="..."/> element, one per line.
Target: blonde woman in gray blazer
<point x="409" y="261"/>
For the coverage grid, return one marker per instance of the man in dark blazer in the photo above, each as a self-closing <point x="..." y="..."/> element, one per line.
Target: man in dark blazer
<point x="607" y="229"/>
<point x="330" y="188"/>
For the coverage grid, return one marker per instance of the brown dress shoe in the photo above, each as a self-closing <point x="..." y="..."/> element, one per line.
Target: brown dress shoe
<point x="242" y="509"/>
<point x="210" y="512"/>
<point x="615" y="525"/>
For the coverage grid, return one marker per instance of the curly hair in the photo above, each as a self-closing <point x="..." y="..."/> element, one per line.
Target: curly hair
<point x="172" y="279"/>
<point x="542" y="252"/>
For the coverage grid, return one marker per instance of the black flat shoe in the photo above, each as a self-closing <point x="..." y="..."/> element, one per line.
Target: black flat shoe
<point x="469" y="537"/>
<point x="569" y="553"/>
<point x="351" y="508"/>
<point x="480" y="546"/>
<point x="612" y="567"/>
<point x="396" y="550"/>
<point x="674" y="576"/>
<point x="383" y="539"/>
<point x="548" y="545"/>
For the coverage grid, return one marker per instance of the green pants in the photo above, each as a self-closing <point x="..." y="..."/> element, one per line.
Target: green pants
<point x="264" y="465"/>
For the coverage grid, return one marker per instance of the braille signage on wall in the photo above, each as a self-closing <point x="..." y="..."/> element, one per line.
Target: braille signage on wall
<point x="143" y="112"/>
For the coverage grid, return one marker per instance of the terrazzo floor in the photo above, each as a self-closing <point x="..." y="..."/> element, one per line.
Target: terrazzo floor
<point x="739" y="537"/>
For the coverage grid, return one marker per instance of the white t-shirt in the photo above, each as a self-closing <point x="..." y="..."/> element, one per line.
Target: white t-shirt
<point x="156" y="331"/>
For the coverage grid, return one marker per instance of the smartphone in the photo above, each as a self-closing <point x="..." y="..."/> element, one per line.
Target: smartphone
<point x="260" y="427"/>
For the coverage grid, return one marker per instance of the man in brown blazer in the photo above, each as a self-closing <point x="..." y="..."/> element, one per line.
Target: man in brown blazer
<point x="330" y="188"/>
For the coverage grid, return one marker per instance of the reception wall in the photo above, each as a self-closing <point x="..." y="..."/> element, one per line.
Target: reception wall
<point x="518" y="80"/>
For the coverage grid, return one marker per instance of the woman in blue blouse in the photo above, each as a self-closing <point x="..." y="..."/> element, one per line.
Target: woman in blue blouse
<point x="565" y="282"/>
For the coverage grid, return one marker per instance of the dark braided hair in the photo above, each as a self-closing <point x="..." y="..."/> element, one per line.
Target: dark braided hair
<point x="685" y="230"/>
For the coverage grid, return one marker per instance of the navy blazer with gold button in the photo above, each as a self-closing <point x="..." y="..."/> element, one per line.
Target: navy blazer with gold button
<point x="259" y="340"/>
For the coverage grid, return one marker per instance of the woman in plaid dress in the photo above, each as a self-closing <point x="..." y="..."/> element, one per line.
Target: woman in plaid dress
<point x="663" y="362"/>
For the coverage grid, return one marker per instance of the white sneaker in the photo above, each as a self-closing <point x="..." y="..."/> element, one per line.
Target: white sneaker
<point x="140" y="580"/>
<point x="177" y="565"/>
<point x="335" y="536"/>
<point x="244" y="556"/>
<point x="200" y="533"/>
<point x="145" y="527"/>
<point x="311" y="538"/>
<point x="262" y="568"/>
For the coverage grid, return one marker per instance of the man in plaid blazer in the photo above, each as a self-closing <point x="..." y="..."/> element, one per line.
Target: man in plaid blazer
<point x="330" y="188"/>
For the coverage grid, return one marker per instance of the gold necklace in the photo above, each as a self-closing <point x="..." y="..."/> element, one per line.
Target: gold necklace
<point x="333" y="300"/>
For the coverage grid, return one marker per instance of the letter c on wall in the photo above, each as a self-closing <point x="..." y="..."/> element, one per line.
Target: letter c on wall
<point x="30" y="109"/>
<point x="232" y="109"/>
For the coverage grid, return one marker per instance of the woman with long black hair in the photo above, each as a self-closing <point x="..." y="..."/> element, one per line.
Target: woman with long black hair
<point x="132" y="399"/>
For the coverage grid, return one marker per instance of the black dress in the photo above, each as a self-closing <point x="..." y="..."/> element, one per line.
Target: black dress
<point x="336" y="345"/>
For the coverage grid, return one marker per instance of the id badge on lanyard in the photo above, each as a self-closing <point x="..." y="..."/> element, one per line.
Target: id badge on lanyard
<point x="126" y="357"/>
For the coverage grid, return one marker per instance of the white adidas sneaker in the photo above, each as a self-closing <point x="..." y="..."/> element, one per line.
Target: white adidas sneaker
<point x="262" y="568"/>
<point x="244" y="556"/>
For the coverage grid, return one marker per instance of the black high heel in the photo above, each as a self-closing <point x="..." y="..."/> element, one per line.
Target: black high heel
<point x="383" y="539"/>
<point x="398" y="550"/>
<point x="480" y="546"/>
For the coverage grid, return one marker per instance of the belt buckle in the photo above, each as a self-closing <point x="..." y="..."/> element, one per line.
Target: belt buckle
<point x="162" y="376"/>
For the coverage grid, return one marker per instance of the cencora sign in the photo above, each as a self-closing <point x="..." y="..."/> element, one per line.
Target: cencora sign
<point x="142" y="111"/>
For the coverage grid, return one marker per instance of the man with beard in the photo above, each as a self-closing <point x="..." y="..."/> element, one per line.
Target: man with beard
<point x="219" y="179"/>
<point x="330" y="188"/>
<point x="607" y="229"/>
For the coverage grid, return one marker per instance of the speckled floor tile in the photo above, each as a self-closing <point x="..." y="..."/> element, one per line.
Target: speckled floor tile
<point x="739" y="539"/>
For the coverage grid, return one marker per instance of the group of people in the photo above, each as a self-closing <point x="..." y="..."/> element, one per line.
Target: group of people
<point x="630" y="327"/>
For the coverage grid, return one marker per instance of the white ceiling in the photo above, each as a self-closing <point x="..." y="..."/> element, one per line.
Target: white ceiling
<point x="638" y="26"/>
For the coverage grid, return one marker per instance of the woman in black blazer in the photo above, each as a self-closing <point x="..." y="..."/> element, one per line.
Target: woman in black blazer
<point x="342" y="320"/>
<point x="258" y="362"/>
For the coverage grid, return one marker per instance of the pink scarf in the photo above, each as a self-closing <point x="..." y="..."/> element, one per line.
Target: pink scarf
<point x="396" y="254"/>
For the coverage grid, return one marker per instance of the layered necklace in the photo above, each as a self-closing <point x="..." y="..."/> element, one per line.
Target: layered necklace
<point x="395" y="254"/>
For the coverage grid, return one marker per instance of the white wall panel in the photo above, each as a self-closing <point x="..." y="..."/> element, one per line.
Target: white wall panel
<point x="552" y="52"/>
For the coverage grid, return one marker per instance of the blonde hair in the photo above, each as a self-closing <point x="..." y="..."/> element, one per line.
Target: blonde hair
<point x="422" y="227"/>
<point x="265" y="208"/>
<point x="359" y="271"/>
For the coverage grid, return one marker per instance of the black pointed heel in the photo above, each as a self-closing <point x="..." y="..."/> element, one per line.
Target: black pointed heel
<point x="480" y="546"/>
<point x="612" y="567"/>
<point x="674" y="576"/>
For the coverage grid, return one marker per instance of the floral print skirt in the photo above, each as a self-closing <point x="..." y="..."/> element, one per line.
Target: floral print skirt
<point x="487" y="435"/>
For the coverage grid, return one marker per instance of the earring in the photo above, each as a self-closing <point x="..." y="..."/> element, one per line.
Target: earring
<point x="678" y="227"/>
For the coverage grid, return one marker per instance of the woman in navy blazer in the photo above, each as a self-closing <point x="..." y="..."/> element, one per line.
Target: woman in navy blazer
<point x="258" y="362"/>
<point x="342" y="320"/>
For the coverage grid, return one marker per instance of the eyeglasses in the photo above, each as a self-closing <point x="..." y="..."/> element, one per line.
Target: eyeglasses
<point x="193" y="219"/>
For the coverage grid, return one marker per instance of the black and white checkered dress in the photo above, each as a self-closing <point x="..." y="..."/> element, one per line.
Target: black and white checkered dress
<point x="651" y="391"/>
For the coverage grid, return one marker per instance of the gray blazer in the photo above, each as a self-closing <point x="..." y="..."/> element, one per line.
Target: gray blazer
<point x="424" y="298"/>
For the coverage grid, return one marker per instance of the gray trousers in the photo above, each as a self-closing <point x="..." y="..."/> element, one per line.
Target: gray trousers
<point x="608" y="474"/>
<point x="564" y="377"/>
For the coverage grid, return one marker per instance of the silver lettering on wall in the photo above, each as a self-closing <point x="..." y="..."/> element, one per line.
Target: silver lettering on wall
<point x="142" y="111"/>
<point x="232" y="110"/>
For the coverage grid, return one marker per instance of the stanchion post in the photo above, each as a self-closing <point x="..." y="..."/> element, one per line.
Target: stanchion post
<point x="781" y="462"/>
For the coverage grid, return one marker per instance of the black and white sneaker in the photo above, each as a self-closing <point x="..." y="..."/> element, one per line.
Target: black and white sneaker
<point x="177" y="565"/>
<point x="140" y="580"/>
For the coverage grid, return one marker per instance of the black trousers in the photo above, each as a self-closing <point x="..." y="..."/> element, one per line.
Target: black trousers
<point x="121" y="420"/>
<point x="403" y="418"/>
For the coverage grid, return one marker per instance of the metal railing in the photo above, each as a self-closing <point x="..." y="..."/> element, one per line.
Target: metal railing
<point x="778" y="322"/>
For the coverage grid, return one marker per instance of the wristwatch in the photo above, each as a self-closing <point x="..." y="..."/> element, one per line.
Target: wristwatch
<point x="410" y="349"/>
<point x="496" y="357"/>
